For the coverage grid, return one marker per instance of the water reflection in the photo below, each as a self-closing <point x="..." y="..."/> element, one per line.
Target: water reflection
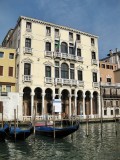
<point x="74" y="147"/>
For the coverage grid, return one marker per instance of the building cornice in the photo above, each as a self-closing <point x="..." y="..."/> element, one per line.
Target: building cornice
<point x="57" y="26"/>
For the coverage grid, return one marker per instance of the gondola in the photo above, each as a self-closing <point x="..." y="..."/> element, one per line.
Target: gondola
<point x="4" y="132"/>
<point x="19" y="133"/>
<point x="55" y="132"/>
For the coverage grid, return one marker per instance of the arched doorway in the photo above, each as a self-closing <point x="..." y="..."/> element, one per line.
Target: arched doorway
<point x="38" y="101"/>
<point x="27" y="101"/>
<point x="80" y="103"/>
<point x="48" y="101"/>
<point x="87" y="103"/>
<point x="65" y="102"/>
<point x="95" y="103"/>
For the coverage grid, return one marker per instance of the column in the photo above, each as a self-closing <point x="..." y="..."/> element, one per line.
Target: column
<point x="32" y="104"/>
<point x="69" y="105"/>
<point x="84" y="104"/>
<point x="99" y="99"/>
<point x="43" y="95"/>
<point x="75" y="112"/>
<point x="20" y="107"/>
<point x="91" y="105"/>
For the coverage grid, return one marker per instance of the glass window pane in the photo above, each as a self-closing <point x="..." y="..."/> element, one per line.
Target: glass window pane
<point x="8" y="88"/>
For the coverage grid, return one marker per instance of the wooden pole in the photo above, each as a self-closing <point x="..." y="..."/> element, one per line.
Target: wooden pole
<point x="17" y="115"/>
<point x="34" y="118"/>
<point x="54" y="120"/>
<point x="2" y="116"/>
<point x="101" y="119"/>
<point x="115" y="123"/>
<point x="87" y="126"/>
<point x="15" y="123"/>
<point x="87" y="120"/>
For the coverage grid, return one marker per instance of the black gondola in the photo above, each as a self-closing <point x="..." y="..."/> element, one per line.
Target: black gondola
<point x="56" y="132"/>
<point x="4" y="132"/>
<point x="19" y="133"/>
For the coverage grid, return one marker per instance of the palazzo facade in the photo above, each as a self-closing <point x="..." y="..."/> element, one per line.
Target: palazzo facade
<point x="55" y="62"/>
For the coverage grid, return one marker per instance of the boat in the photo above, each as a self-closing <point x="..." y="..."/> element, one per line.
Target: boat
<point x="17" y="133"/>
<point x="56" y="132"/>
<point x="4" y="132"/>
<point x="39" y="124"/>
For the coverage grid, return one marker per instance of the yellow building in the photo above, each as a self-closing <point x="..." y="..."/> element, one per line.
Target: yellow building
<point x="7" y="70"/>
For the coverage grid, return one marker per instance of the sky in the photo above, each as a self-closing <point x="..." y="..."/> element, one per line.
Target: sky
<point x="98" y="17"/>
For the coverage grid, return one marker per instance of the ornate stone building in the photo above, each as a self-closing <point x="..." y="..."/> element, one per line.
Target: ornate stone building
<point x="55" y="62"/>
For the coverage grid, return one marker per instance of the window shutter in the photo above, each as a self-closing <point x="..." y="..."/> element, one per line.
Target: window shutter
<point x="1" y="70"/>
<point x="1" y="106"/>
<point x="11" y="71"/>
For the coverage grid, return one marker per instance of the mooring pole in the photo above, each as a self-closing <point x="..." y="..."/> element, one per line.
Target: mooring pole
<point x="15" y="123"/>
<point x="115" y="123"/>
<point x="87" y="126"/>
<point x="54" y="120"/>
<point x="17" y="115"/>
<point x="2" y="116"/>
<point x="101" y="119"/>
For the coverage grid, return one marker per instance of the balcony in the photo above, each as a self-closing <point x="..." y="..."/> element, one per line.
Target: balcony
<point x="48" y="80"/>
<point x="68" y="56"/>
<point x="70" y="82"/>
<point x="27" y="50"/>
<point x="28" y="29"/>
<point x="109" y="84"/>
<point x="96" y="85"/>
<point x="80" y="83"/>
<point x="48" y="54"/>
<point x="94" y="62"/>
<point x="111" y="96"/>
<point x="80" y="59"/>
<point x="27" y="78"/>
<point x="57" y="36"/>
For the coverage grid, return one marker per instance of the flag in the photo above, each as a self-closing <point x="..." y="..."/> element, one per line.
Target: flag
<point x="75" y="48"/>
<point x="57" y="46"/>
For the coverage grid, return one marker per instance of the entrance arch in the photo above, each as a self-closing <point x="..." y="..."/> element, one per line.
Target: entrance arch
<point x="80" y="103"/>
<point x="65" y="102"/>
<point x="38" y="101"/>
<point x="27" y="101"/>
<point x="48" y="101"/>
<point x="87" y="103"/>
<point x="95" y="103"/>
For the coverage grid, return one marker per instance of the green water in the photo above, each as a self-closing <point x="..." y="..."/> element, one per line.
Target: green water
<point x="74" y="147"/>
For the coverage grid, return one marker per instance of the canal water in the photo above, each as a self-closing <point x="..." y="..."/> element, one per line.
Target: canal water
<point x="74" y="147"/>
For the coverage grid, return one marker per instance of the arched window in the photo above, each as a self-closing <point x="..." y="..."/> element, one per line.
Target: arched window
<point x="64" y="71"/>
<point x="64" y="47"/>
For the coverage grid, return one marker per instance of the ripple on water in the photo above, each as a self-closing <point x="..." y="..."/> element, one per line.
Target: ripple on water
<point x="74" y="147"/>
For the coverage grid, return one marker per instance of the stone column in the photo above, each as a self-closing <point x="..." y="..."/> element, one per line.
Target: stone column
<point x="99" y="99"/>
<point x="70" y="105"/>
<point x="43" y="95"/>
<point x="91" y="105"/>
<point x="20" y="107"/>
<point x="75" y="112"/>
<point x="32" y="103"/>
<point x="84" y="104"/>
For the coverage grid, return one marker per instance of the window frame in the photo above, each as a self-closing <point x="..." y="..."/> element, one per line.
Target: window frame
<point x="80" y="75"/>
<point x="11" y="55"/>
<point x="48" y="71"/>
<point x="94" y="76"/>
<point x="1" y="53"/>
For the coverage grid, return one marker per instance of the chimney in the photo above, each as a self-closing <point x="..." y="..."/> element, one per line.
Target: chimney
<point x="110" y="52"/>
<point x="116" y="50"/>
